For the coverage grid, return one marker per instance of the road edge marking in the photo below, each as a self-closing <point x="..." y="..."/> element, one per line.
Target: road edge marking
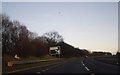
<point x="85" y="66"/>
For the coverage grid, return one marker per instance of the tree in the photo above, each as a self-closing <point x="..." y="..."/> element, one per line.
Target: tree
<point x="32" y="35"/>
<point x="13" y="36"/>
<point x="53" y="38"/>
<point x="118" y="53"/>
<point x="6" y="34"/>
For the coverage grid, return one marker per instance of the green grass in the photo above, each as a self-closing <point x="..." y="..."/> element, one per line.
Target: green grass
<point x="37" y="58"/>
<point x="5" y="68"/>
<point x="21" y="66"/>
<point x="6" y="58"/>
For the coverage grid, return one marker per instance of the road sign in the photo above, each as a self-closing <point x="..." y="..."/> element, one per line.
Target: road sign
<point x="58" y="51"/>
<point x="54" y="50"/>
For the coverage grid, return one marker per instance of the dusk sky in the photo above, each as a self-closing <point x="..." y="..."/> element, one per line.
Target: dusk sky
<point x="90" y="25"/>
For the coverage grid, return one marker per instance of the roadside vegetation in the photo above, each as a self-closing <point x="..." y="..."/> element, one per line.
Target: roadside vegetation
<point x="16" y="67"/>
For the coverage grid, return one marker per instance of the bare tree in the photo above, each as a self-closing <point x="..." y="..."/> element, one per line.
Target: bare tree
<point x="53" y="37"/>
<point x="6" y="34"/>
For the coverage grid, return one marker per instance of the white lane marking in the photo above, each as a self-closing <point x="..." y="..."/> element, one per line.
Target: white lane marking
<point x="87" y="69"/>
<point x="117" y="63"/>
<point x="92" y="74"/>
<point x="43" y="70"/>
<point x="38" y="72"/>
<point x="85" y="66"/>
<point x="46" y="69"/>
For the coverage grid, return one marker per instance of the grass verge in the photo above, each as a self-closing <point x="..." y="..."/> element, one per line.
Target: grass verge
<point x="6" y="69"/>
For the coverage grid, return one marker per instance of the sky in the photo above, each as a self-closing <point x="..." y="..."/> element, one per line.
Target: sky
<point x="89" y="25"/>
<point x="60" y="0"/>
<point x="0" y="37"/>
<point x="119" y="26"/>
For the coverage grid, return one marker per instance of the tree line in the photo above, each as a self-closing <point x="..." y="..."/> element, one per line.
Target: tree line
<point x="17" y="39"/>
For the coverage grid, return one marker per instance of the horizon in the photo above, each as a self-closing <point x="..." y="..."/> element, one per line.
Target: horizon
<point x="93" y="26"/>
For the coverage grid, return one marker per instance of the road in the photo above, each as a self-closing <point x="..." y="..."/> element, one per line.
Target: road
<point x="99" y="67"/>
<point x="77" y="65"/>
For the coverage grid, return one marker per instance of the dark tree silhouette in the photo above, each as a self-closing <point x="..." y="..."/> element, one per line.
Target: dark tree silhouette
<point x="118" y="53"/>
<point x="53" y="38"/>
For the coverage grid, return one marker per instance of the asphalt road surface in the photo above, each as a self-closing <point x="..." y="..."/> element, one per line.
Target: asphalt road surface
<point x="77" y="65"/>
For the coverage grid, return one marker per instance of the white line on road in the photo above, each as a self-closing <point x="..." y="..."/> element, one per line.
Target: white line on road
<point x="38" y="72"/>
<point x="92" y="74"/>
<point x="83" y="63"/>
<point x="85" y="66"/>
<point x="46" y="69"/>
<point x="87" y="69"/>
<point x="43" y="70"/>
